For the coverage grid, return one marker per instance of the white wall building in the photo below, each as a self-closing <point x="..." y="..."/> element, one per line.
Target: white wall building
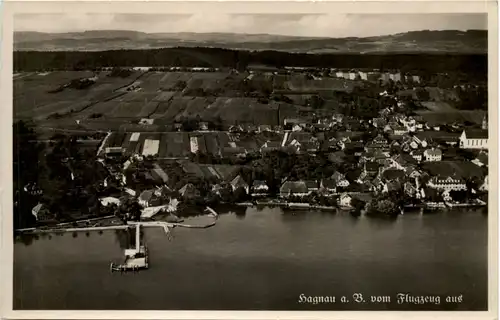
<point x="447" y="183"/>
<point x="474" y="139"/>
<point x="433" y="154"/>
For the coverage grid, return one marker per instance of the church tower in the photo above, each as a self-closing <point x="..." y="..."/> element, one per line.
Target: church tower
<point x="485" y="123"/>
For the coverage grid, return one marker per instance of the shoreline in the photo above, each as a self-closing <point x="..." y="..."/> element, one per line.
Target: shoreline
<point x="283" y="205"/>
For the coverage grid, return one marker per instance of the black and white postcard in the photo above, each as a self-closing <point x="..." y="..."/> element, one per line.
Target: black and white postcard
<point x="249" y="160"/>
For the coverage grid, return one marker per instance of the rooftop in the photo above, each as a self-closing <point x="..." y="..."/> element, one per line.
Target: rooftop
<point x="294" y="187"/>
<point x="476" y="134"/>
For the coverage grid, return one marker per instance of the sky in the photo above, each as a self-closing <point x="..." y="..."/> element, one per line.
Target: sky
<point x="309" y="25"/>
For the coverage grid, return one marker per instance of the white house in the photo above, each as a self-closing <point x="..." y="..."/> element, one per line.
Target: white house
<point x="345" y="200"/>
<point x="447" y="183"/>
<point x="474" y="139"/>
<point x="109" y="200"/>
<point x="433" y="154"/>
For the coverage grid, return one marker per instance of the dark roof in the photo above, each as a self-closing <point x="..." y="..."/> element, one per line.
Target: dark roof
<point x="146" y="195"/>
<point x="188" y="189"/>
<point x="365" y="197"/>
<point x="392" y="174"/>
<point x="239" y="182"/>
<point x="393" y="185"/>
<point x="355" y="145"/>
<point x="337" y="176"/>
<point x="449" y="168"/>
<point x="329" y="183"/>
<point x="350" y="134"/>
<point x="300" y="136"/>
<point x="438" y="136"/>
<point x="353" y="174"/>
<point x="294" y="187"/>
<point x="272" y="144"/>
<point x="311" y="184"/>
<point x="336" y="157"/>
<point x="309" y="146"/>
<point x="434" y="152"/>
<point x="483" y="157"/>
<point x="230" y="150"/>
<point x="476" y="134"/>
<point x="259" y="183"/>
<point x="404" y="158"/>
<point x="372" y="166"/>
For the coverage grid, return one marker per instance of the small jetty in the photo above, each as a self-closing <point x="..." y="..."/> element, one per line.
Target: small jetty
<point x="135" y="258"/>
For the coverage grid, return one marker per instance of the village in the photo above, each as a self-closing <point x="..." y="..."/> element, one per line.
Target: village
<point x="349" y="155"/>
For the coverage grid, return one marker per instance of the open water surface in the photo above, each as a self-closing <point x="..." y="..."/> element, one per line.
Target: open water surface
<point x="264" y="260"/>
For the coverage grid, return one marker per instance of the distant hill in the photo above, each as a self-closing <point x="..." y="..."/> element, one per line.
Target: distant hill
<point x="471" y="41"/>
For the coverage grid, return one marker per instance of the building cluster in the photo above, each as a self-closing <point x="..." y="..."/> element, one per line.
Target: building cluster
<point x="422" y="161"/>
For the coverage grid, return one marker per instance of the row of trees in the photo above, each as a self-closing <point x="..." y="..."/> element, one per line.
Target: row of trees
<point x="473" y="64"/>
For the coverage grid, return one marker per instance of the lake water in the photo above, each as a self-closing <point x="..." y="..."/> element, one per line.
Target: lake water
<point x="264" y="260"/>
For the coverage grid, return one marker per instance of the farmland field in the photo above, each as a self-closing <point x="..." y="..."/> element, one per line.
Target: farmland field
<point x="242" y="110"/>
<point x="438" y="106"/>
<point x="33" y="97"/>
<point x="148" y="109"/>
<point x="301" y="83"/>
<point x="109" y="99"/>
<point x="195" y="106"/>
<point x="175" y="106"/>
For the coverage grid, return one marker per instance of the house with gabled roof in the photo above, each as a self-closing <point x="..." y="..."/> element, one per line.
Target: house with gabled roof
<point x="433" y="154"/>
<point x="189" y="191"/>
<point x="163" y="191"/>
<point x="451" y="182"/>
<point x="259" y="188"/>
<point x="42" y="213"/>
<point x="146" y="198"/>
<point x="293" y="188"/>
<point x="236" y="129"/>
<point x="239" y="182"/>
<point x="474" y="139"/>
<point x="345" y="200"/>
<point x="417" y="155"/>
<point x="312" y="186"/>
<point x="399" y="130"/>
<point x="328" y="185"/>
<point x="340" y="180"/>
<point x="393" y="174"/>
<point x="270" y="145"/>
<point x="265" y="128"/>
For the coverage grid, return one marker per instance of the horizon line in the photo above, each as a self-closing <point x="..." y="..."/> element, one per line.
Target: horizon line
<point x="250" y="34"/>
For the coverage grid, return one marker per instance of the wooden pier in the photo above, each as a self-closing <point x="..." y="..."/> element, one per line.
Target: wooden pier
<point x="135" y="258"/>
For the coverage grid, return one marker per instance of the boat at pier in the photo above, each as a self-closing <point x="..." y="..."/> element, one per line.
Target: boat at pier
<point x="135" y="258"/>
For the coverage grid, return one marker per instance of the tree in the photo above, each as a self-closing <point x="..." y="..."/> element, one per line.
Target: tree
<point x="240" y="195"/>
<point x="460" y="196"/>
<point x="357" y="204"/>
<point x="382" y="207"/>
